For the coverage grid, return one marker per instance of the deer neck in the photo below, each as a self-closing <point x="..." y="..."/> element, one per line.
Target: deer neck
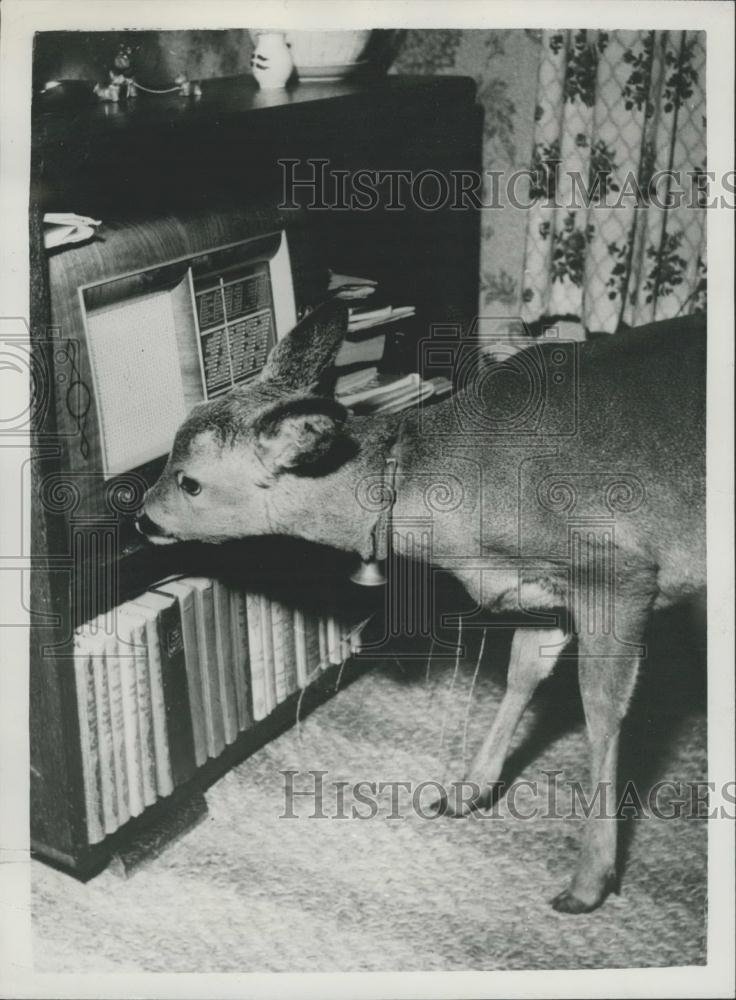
<point x="342" y="508"/>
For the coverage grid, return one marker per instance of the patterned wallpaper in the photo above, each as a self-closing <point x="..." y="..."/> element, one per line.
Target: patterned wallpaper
<point x="504" y="65"/>
<point x="158" y="56"/>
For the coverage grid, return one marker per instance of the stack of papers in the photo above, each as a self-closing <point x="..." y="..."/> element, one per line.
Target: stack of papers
<point x="345" y="286"/>
<point x="387" y="393"/>
<point x="367" y="390"/>
<point x="364" y="319"/>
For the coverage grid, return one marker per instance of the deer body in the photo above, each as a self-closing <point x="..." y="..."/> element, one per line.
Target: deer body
<point x="589" y="505"/>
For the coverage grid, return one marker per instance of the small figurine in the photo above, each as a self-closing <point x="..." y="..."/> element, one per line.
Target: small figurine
<point x="121" y="85"/>
<point x="188" y="88"/>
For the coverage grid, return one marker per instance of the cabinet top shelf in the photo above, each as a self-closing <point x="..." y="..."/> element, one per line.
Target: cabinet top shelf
<point x="163" y="152"/>
<point x="75" y="111"/>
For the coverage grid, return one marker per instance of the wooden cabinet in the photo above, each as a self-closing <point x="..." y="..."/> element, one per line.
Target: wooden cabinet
<point x="171" y="177"/>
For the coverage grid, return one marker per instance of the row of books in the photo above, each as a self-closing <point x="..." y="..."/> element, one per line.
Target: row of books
<point x="170" y="679"/>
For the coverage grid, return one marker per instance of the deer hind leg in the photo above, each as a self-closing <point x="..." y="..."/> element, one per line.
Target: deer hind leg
<point x="534" y="653"/>
<point x="607" y="669"/>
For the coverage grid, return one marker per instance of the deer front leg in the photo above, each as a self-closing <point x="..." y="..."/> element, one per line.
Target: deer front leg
<point x="534" y="653"/>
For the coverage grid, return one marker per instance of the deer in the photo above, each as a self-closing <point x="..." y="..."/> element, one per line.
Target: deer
<point x="584" y="508"/>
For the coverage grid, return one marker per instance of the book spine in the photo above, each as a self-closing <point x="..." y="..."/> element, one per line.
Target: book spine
<point x="257" y="662"/>
<point x="133" y="744"/>
<point x="225" y="661"/>
<point x="164" y="778"/>
<point x="113" y="669"/>
<point x="105" y="741"/>
<point x="176" y="694"/>
<point x="289" y="650"/>
<point x="145" y="711"/>
<point x="87" y="712"/>
<point x="345" y="647"/>
<point x="188" y="614"/>
<point x="267" y="640"/>
<point x="278" y="631"/>
<point x="334" y="642"/>
<point x="300" y="648"/>
<point x="208" y="664"/>
<point x="239" y="625"/>
<point x="313" y="651"/>
<point x="324" y="660"/>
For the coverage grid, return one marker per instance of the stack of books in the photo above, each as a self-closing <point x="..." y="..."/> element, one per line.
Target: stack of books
<point x="170" y="679"/>
<point x="360" y="386"/>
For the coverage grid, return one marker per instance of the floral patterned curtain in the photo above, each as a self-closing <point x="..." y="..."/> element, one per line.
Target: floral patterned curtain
<point x="622" y="107"/>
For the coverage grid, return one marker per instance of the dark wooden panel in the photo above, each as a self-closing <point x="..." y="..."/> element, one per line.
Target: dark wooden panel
<point x="155" y="152"/>
<point x="57" y="803"/>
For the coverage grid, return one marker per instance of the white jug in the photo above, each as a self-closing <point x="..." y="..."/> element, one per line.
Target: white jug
<point x="271" y="61"/>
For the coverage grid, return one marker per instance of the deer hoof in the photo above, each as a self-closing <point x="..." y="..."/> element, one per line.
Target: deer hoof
<point x="456" y="805"/>
<point x="456" y="810"/>
<point x="568" y="902"/>
<point x="443" y="807"/>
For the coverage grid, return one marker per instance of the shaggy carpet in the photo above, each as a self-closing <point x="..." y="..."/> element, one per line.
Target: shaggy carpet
<point x="246" y="890"/>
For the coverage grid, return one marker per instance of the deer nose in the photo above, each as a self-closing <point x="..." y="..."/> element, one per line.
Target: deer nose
<point x="145" y="525"/>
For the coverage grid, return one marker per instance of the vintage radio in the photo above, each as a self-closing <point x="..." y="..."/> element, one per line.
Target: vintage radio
<point x="150" y="320"/>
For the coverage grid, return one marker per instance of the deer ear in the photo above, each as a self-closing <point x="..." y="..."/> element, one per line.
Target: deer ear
<point x="305" y="354"/>
<point x="304" y="436"/>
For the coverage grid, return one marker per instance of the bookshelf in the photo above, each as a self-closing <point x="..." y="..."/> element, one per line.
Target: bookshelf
<point x="171" y="177"/>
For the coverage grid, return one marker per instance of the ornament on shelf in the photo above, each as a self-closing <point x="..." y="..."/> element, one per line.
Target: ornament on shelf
<point x="188" y="88"/>
<point x="122" y="86"/>
<point x="271" y="61"/>
<point x="119" y="88"/>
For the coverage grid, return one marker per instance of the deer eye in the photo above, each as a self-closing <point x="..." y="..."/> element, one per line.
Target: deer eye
<point x="189" y="485"/>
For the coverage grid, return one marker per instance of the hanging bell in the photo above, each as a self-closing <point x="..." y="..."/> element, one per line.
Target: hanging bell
<point x="369" y="574"/>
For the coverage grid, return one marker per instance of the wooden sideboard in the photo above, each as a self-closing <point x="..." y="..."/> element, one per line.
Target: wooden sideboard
<point x="186" y="166"/>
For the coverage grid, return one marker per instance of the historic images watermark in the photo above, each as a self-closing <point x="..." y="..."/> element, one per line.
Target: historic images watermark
<point x="314" y="184"/>
<point x="311" y="795"/>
